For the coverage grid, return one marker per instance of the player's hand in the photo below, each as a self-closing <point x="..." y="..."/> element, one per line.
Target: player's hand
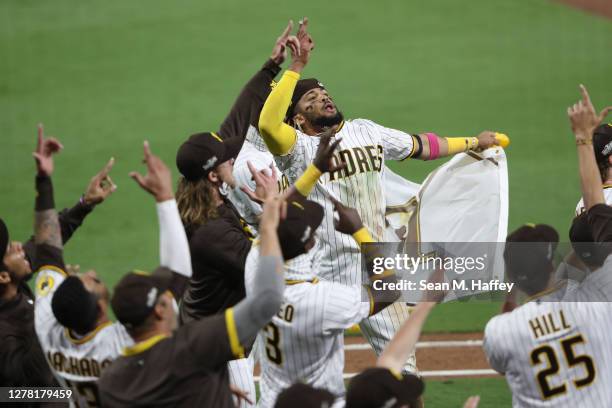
<point x="274" y="210"/>
<point x="472" y="402"/>
<point x="435" y="296"/>
<point x="486" y="139"/>
<point x="583" y="117"/>
<point x="45" y="149"/>
<point x="325" y="152"/>
<point x="266" y="184"/>
<point x="349" y="221"/>
<point x="100" y="186"/>
<point x="158" y="180"/>
<point x="240" y="395"/>
<point x="301" y="56"/>
<point x="279" y="52"/>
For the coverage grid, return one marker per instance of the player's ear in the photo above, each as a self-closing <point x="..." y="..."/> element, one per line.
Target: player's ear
<point x="299" y="120"/>
<point x="213" y="177"/>
<point x="5" y="278"/>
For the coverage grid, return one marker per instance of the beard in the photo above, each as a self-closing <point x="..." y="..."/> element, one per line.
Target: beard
<point x="328" y="121"/>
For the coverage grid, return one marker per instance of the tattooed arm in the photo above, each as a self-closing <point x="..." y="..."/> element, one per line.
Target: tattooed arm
<point x="47" y="230"/>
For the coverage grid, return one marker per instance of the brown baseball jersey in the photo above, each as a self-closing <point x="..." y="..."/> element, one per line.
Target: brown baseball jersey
<point x="187" y="369"/>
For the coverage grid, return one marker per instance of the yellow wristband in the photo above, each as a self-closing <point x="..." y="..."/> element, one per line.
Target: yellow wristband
<point x="461" y="144"/>
<point x="307" y="181"/>
<point x="362" y="236"/>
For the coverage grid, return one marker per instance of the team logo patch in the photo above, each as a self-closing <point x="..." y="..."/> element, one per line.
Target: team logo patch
<point x="44" y="285"/>
<point x="210" y="163"/>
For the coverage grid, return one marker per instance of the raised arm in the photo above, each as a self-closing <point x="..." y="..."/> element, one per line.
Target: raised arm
<point x="403" y="343"/>
<point x="350" y="223"/>
<point x="584" y="120"/>
<point x="47" y="231"/>
<point x="248" y="105"/>
<point x="279" y="136"/>
<point x="256" y="310"/>
<point x="324" y="162"/>
<point x="173" y="245"/>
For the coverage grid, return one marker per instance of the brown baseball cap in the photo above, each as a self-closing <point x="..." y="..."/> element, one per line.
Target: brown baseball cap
<point x="304" y="396"/>
<point x="380" y="387"/>
<point x="581" y="236"/>
<point x="136" y="293"/>
<point x="202" y="152"/>
<point x="4" y="242"/>
<point x="303" y="218"/>
<point x="301" y="88"/>
<point x="529" y="254"/>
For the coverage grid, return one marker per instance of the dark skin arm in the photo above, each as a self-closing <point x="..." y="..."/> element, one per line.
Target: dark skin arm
<point x="46" y="223"/>
<point x="349" y="223"/>
<point x="249" y="103"/>
<point x="266" y="183"/>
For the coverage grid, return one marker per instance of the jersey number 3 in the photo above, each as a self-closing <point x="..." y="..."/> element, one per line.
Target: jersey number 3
<point x="567" y="345"/>
<point x="272" y="344"/>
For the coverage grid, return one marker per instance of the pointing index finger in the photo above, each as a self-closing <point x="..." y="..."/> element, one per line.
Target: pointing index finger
<point x="287" y="31"/>
<point x="107" y="168"/>
<point x="585" y="95"/>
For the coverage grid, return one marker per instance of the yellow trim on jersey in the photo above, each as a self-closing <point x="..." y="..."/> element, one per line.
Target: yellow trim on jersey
<point x="607" y="186"/>
<point x="52" y="268"/>
<point x="279" y="136"/>
<point x="232" y="334"/>
<point x="298" y="281"/>
<point x="143" y="345"/>
<point x="339" y="128"/>
<point x="545" y="292"/>
<point x="396" y="374"/>
<point x="216" y="136"/>
<point x="89" y="335"/>
<point x="414" y="145"/>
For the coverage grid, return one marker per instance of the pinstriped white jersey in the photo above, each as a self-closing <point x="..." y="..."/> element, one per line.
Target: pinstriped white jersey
<point x="76" y="362"/>
<point x="305" y="340"/>
<point x="557" y="353"/>
<point x="365" y="146"/>
<point x="260" y="159"/>
<point x="607" y="191"/>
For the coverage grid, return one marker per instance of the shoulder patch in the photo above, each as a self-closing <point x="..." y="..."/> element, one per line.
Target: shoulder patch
<point x="44" y="285"/>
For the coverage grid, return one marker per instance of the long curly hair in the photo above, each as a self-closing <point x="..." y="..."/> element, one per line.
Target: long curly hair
<point x="196" y="204"/>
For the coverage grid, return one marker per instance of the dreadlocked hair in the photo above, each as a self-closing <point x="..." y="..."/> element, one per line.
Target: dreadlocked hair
<point x="195" y="201"/>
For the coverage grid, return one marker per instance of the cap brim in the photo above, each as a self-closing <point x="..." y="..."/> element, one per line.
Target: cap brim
<point x="162" y="278"/>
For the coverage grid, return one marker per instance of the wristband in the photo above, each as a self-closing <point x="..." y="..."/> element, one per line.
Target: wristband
<point x="362" y="236"/>
<point x="580" y="142"/>
<point x="44" y="197"/>
<point x="461" y="144"/>
<point x="307" y="181"/>
<point x="434" y="146"/>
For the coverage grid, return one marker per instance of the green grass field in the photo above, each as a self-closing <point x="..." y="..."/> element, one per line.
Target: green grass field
<point x="104" y="76"/>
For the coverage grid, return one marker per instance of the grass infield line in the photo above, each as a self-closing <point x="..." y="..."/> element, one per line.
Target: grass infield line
<point x="423" y="344"/>
<point x="434" y="373"/>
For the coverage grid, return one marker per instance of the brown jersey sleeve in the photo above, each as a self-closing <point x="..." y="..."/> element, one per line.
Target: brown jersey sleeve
<point x="207" y="342"/>
<point x="48" y="255"/>
<point x="249" y="103"/>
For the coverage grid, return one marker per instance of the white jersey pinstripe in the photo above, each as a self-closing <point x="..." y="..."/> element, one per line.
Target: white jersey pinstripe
<point x="607" y="191"/>
<point x="365" y="146"/>
<point x="556" y="351"/>
<point x="304" y="341"/>
<point x="76" y="362"/>
<point x="260" y="159"/>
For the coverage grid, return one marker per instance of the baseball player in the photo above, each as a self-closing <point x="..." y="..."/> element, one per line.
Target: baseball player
<point x="602" y="145"/>
<point x="554" y="350"/>
<point x="308" y="108"/>
<point x="305" y="340"/>
<point x="71" y="317"/>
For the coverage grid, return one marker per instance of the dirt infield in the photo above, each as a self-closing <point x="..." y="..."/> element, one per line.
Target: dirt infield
<point x="431" y="354"/>
<point x="601" y="7"/>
